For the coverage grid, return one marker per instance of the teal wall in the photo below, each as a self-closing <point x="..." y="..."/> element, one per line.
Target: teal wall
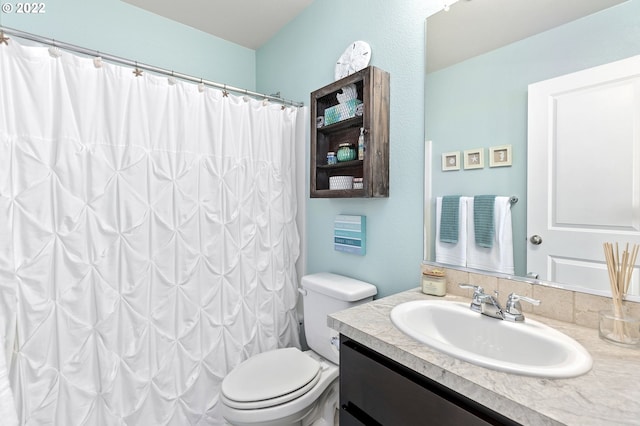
<point x="295" y="62"/>
<point x="300" y="59"/>
<point x="478" y="103"/>
<point x="482" y="102"/>
<point x="118" y="28"/>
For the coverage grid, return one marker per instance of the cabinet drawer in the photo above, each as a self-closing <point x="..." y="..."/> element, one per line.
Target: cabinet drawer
<point x="348" y="419"/>
<point x="380" y="389"/>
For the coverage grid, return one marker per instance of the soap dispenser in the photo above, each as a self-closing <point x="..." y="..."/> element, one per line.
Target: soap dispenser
<point x="361" y="144"/>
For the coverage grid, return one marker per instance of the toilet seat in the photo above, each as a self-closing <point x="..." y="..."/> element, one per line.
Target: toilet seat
<point x="270" y="378"/>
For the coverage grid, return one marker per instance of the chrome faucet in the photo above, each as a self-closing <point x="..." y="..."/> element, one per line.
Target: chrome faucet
<point x="489" y="305"/>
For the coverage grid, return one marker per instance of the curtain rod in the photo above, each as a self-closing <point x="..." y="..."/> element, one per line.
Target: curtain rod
<point x="117" y="59"/>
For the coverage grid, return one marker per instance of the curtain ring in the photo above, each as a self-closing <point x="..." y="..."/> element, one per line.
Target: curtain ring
<point x="97" y="61"/>
<point x="54" y="52"/>
<point x="171" y="79"/>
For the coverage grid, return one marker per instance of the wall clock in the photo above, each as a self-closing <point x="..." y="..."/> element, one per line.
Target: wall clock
<point x="355" y="57"/>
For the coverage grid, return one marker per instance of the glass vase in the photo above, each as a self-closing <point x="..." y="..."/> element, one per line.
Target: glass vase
<point x="619" y="327"/>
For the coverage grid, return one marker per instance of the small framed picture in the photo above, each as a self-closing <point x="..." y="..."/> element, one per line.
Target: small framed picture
<point x="450" y="161"/>
<point x="500" y="156"/>
<point x="474" y="158"/>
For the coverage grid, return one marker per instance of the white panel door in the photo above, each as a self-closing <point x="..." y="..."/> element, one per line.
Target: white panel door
<point x="583" y="176"/>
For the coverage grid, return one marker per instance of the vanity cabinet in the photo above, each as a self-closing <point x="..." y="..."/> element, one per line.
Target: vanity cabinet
<point x="335" y="123"/>
<point x="375" y="390"/>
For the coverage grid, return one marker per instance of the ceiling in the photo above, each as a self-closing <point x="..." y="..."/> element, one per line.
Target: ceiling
<point x="249" y="23"/>
<point x="469" y="28"/>
<point x="473" y="27"/>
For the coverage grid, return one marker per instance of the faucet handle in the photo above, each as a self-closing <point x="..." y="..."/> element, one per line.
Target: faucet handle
<point x="478" y="292"/>
<point x="513" y="310"/>
<point x="476" y="288"/>
<point x="516" y="298"/>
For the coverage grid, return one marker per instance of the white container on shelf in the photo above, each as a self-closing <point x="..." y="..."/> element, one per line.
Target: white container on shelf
<point x="341" y="182"/>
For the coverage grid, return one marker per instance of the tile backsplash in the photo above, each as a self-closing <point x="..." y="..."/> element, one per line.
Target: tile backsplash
<point x="564" y="305"/>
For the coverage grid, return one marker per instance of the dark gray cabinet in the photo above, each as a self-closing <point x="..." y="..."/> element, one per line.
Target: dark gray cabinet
<point x="375" y="390"/>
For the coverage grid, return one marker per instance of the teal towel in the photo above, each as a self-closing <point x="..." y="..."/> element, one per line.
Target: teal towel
<point x="483" y="207"/>
<point x="450" y="218"/>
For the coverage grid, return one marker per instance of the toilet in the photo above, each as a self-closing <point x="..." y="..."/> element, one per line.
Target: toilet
<point x="288" y="386"/>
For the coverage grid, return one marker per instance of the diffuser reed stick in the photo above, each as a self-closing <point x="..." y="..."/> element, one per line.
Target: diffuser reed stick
<point x="620" y="271"/>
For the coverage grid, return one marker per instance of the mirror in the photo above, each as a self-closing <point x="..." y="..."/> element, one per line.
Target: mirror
<point x="479" y="100"/>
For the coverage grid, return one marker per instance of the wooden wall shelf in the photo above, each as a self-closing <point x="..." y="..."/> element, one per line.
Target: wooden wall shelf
<point x="372" y="86"/>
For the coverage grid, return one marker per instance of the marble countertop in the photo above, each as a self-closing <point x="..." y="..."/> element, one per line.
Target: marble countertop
<point x="609" y="394"/>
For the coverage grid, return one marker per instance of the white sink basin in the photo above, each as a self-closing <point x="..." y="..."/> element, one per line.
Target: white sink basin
<point x="529" y="348"/>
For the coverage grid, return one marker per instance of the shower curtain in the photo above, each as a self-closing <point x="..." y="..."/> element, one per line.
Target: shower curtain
<point x="147" y="240"/>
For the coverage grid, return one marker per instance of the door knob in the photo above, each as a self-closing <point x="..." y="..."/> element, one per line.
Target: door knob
<point x="536" y="240"/>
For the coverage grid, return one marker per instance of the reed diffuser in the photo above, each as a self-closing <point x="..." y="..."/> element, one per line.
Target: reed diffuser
<point x="616" y="325"/>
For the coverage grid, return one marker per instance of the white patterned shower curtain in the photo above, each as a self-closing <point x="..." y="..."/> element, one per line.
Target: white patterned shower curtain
<point x="147" y="240"/>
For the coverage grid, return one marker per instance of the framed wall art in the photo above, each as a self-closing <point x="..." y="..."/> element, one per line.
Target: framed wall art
<point x="500" y="156"/>
<point x="450" y="161"/>
<point x="474" y="158"/>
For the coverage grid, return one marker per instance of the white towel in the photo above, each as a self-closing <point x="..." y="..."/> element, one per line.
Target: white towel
<point x="8" y="414"/>
<point x="449" y="253"/>
<point x="498" y="258"/>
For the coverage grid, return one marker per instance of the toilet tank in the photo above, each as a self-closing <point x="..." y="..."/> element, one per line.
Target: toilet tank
<point x="323" y="294"/>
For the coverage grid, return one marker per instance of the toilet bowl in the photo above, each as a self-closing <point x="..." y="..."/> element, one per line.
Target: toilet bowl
<point x="290" y="387"/>
<point x="280" y="387"/>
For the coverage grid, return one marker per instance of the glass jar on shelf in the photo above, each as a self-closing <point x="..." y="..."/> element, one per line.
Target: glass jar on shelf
<point x="346" y="152"/>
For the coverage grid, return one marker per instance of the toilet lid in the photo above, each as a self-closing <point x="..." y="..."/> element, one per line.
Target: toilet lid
<point x="270" y="378"/>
